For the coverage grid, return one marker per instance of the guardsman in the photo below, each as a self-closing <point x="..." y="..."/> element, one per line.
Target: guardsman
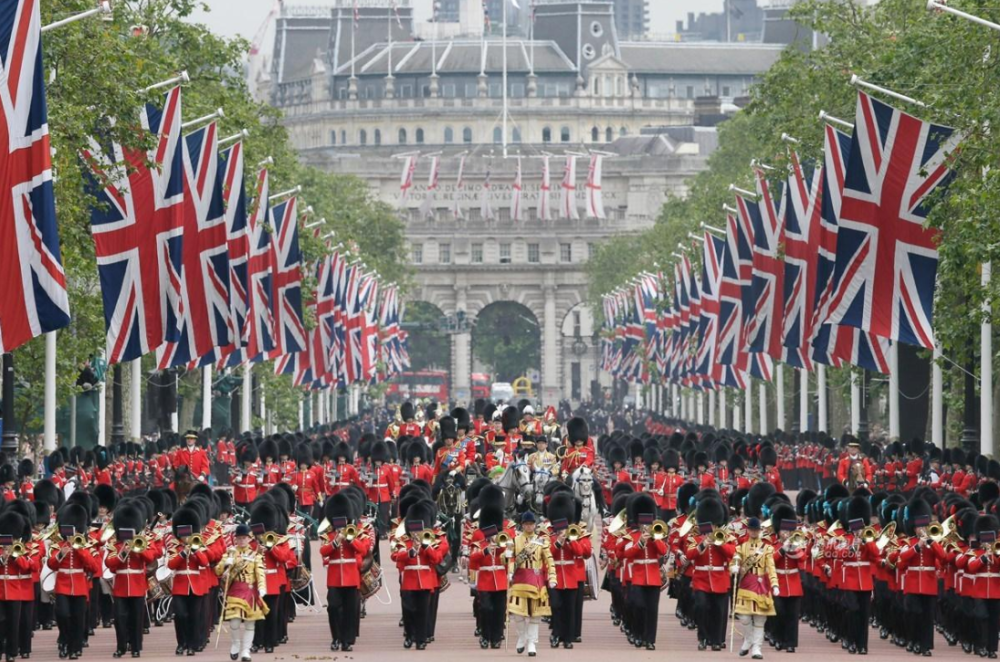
<point x="641" y="549"/>
<point x="343" y="555"/>
<point x="468" y="440"/>
<point x="74" y="565"/>
<point x="980" y="565"/>
<point x="518" y="444"/>
<point x="706" y="479"/>
<point x="450" y="457"/>
<point x="914" y="464"/>
<point x="789" y="557"/>
<point x="416" y="455"/>
<point x="417" y="555"/>
<point x="242" y="573"/>
<point x="530" y="568"/>
<point x="346" y="474"/>
<point x="246" y="480"/>
<point x="666" y="485"/>
<point x="127" y="559"/>
<point x="917" y="565"/>
<point x="569" y="546"/>
<point x="858" y="557"/>
<point x="16" y="590"/>
<point x="710" y="554"/>
<point x="757" y="583"/>
<point x="26" y="474"/>
<point x="278" y="558"/>
<point x="303" y="481"/>
<point x="193" y="457"/>
<point x="189" y="587"/>
<point x="488" y="560"/>
<point x="580" y="452"/>
<point x="769" y="468"/>
<point x="382" y="488"/>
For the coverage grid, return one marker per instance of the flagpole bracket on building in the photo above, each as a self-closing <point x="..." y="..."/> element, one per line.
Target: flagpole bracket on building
<point x="789" y="139"/>
<point x="742" y="192"/>
<point x="245" y="133"/>
<point x="938" y="5"/>
<point x="856" y="81"/>
<point x="103" y="8"/>
<point x="714" y="229"/>
<point x="211" y="117"/>
<point x="285" y="194"/>
<point x="827" y="117"/>
<point x="179" y="79"/>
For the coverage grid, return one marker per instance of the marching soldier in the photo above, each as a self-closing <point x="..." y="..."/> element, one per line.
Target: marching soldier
<point x="642" y="549"/>
<point x="580" y="453"/>
<point x="710" y="580"/>
<point x="788" y="559"/>
<point x="569" y="546"/>
<point x="244" y="581"/>
<point x="416" y="455"/>
<point x="450" y="457"/>
<point x="74" y="564"/>
<point x="530" y="569"/>
<point x="756" y="582"/>
<point x="917" y="565"/>
<point x="16" y="568"/>
<point x="189" y="586"/>
<point x="488" y="559"/>
<point x="416" y="556"/>
<point x="665" y="485"/>
<point x="128" y="559"/>
<point x="246" y="479"/>
<point x="517" y="443"/>
<point x="276" y="558"/>
<point x="343" y="555"/>
<point x="383" y="488"/>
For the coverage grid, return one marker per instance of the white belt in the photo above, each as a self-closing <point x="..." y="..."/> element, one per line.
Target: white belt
<point x="782" y="571"/>
<point x="271" y="571"/>
<point x="492" y="568"/>
<point x="710" y="568"/>
<point x="130" y="571"/>
<point x="10" y="577"/>
<point x="645" y="561"/>
<point x="381" y="485"/>
<point x="988" y="574"/>
<point x="341" y="561"/>
<point x="71" y="571"/>
<point x="921" y="568"/>
<point x="417" y="567"/>
<point x="565" y="562"/>
<point x="855" y="564"/>
<point x="188" y="572"/>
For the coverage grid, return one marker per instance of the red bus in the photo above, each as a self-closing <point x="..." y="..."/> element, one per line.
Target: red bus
<point x="431" y="384"/>
<point x="481" y="383"/>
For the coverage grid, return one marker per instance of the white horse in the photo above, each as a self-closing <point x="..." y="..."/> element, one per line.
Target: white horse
<point x="516" y="485"/>
<point x="584" y="489"/>
<point x="540" y="477"/>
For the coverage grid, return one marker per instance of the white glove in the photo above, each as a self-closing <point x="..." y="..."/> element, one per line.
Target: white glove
<point x="263" y="592"/>
<point x="230" y="560"/>
<point x="735" y="569"/>
<point x="776" y="591"/>
<point x="552" y="585"/>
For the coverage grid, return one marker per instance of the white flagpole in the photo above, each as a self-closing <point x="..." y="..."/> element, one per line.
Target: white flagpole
<point x="102" y="410"/>
<point x="711" y="408"/>
<point x="937" y="399"/>
<point x="245" y="397"/>
<point x="103" y="8"/>
<point x="779" y="383"/>
<point x="748" y="413"/>
<point x="737" y="413"/>
<point x="175" y="415"/>
<point x="821" y="394"/>
<point x="940" y="6"/>
<point x="218" y="114"/>
<point x="986" y="369"/>
<point x="894" y="391"/>
<point x="505" y="101"/>
<point x="136" y="388"/>
<point x="50" y="391"/>
<point x="722" y="409"/>
<point x="804" y="402"/>
<point x="855" y="403"/>
<point x="763" y="408"/>
<point x="206" y="397"/>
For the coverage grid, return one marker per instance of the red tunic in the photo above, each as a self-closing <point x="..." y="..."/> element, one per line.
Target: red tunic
<point x="130" y="574"/>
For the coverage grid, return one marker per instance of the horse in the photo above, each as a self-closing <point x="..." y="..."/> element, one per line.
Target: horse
<point x="540" y="477"/>
<point x="583" y="484"/>
<point x="516" y="485"/>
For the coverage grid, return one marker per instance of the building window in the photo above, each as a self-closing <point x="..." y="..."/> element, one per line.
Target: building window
<point x="533" y="254"/>
<point x="566" y="252"/>
<point x="517" y="90"/>
<point x="609" y="135"/>
<point x="595" y="134"/>
<point x="378" y="137"/>
<point x="420" y="136"/>
<point x="417" y="254"/>
<point x="517" y="135"/>
<point x="449" y="135"/>
<point x="577" y="323"/>
<point x="591" y="250"/>
<point x="497" y="135"/>
<point x="402" y="136"/>
<point x="467" y="135"/>
<point x="448" y="91"/>
<point x="546" y="135"/>
<point x="333" y="137"/>
<point x="690" y="91"/>
<point x="725" y="90"/>
<point x="564" y="134"/>
<point x="623" y="132"/>
<point x="444" y="253"/>
<point x="477" y="253"/>
<point x="363" y="137"/>
<point x="504" y="253"/>
<point x="496" y="90"/>
<point x="471" y="91"/>
<point x="343" y="137"/>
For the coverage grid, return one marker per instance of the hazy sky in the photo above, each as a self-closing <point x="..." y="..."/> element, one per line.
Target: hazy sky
<point x="244" y="17"/>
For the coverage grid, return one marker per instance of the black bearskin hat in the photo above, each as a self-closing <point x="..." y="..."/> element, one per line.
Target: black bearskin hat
<point x="491" y="496"/>
<point x="380" y="452"/>
<point x="423" y="511"/>
<point x="914" y="510"/>
<point x="267" y="513"/>
<point x="651" y="456"/>
<point x="128" y="516"/>
<point x="339" y="506"/>
<point x="509" y="419"/>
<point x="407" y="411"/>
<point x="491" y="517"/>
<point x="859" y="508"/>
<point x="638" y="504"/>
<point x="685" y="493"/>
<point x="617" y="456"/>
<point x="462" y="419"/>
<point x="106" y="497"/>
<point x="267" y="449"/>
<point x="782" y="513"/>
<point x="758" y="494"/>
<point x="711" y="511"/>
<point x="577" y="430"/>
<point x="768" y="457"/>
<point x="562" y="507"/>
<point x="671" y="459"/>
<point x="187" y="515"/>
<point x="448" y="428"/>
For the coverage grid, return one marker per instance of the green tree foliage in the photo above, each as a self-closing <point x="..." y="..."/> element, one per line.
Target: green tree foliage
<point x="96" y="70"/>
<point x="507" y="339"/>
<point x="430" y="348"/>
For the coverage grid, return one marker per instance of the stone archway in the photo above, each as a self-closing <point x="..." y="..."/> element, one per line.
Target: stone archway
<point x="507" y="341"/>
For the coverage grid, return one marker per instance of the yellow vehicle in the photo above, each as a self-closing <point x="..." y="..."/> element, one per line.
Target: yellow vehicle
<point x="523" y="388"/>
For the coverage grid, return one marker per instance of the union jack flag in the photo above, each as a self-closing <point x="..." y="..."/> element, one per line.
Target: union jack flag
<point x="713" y="252"/>
<point x="259" y="331"/>
<point x="802" y="243"/>
<point x="764" y="333"/>
<point x="33" y="299"/>
<point x="207" y="320"/>
<point x="286" y="280"/>
<point x="239" y="248"/>
<point x="138" y="229"/>
<point x="834" y="344"/>
<point x="886" y="259"/>
<point x="737" y="262"/>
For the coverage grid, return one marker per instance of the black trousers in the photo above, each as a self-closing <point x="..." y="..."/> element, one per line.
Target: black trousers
<point x="27" y="625"/>
<point x="578" y="622"/>
<point x="10" y="626"/>
<point x="786" y="623"/>
<point x="857" y="627"/>
<point x="712" y="611"/>
<point x="188" y="615"/>
<point x="563" y="613"/>
<point x="343" y="608"/>
<point x="71" y="617"/>
<point x="266" y="636"/>
<point x="432" y="616"/>
<point x="416" y="610"/>
<point x="129" y="614"/>
<point x="989" y="627"/>
<point x="492" y="614"/>
<point x="644" y="602"/>
<point x="920" y="609"/>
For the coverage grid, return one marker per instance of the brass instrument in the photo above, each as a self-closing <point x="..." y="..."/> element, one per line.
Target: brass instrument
<point x="350" y="532"/>
<point x="718" y="537"/>
<point x="323" y="527"/>
<point x="270" y="539"/>
<point x="689" y="524"/>
<point x="574" y="532"/>
<point x="659" y="530"/>
<point x="78" y="541"/>
<point x="795" y="541"/>
<point x="935" y="532"/>
<point x="869" y="534"/>
<point x="17" y="549"/>
<point x="195" y="542"/>
<point x="503" y="539"/>
<point x="138" y="544"/>
<point x="888" y="535"/>
<point x="427" y="537"/>
<point x="617" y="526"/>
<point x="995" y="548"/>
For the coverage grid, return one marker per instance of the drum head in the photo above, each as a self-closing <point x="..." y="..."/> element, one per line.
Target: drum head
<point x="163" y="573"/>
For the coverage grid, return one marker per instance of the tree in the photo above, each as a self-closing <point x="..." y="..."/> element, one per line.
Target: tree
<point x="508" y="340"/>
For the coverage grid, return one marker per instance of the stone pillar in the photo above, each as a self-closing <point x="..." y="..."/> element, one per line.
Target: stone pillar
<point x="483" y="86"/>
<point x="435" y="86"/>
<point x="461" y="356"/>
<point x="352" y="89"/>
<point x="532" y="86"/>
<point x="550" y="348"/>
<point x="390" y="87"/>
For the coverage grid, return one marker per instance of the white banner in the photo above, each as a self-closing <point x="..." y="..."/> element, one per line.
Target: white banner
<point x="567" y="205"/>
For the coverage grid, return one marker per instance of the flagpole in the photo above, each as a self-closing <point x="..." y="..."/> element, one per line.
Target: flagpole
<point x="763" y="408"/>
<point x="779" y="383"/>
<point x="505" y="78"/>
<point x="723" y="419"/>
<point x="50" y="391"/>
<point x="821" y="395"/>
<point x="103" y="8"/>
<point x="246" y="393"/>
<point x="135" y="386"/>
<point x="737" y="413"/>
<point x="711" y="408"/>
<point x="986" y="369"/>
<point x="804" y="401"/>
<point x="206" y="398"/>
<point x="855" y="403"/>
<point x="937" y="399"/>
<point x="102" y="409"/>
<point x="748" y="413"/>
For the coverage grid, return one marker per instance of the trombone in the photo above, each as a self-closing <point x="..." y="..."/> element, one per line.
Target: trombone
<point x="270" y="539"/>
<point x="427" y="537"/>
<point x="16" y="549"/>
<point x="659" y="530"/>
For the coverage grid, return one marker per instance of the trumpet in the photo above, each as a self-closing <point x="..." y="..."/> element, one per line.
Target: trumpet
<point x="574" y="532"/>
<point x="427" y="537"/>
<point x="195" y="542"/>
<point x="350" y="532"/>
<point x="138" y="544"/>
<point x="503" y="539"/>
<point x="17" y="549"/>
<point x="795" y="541"/>
<point x="78" y="541"/>
<point x="995" y="548"/>
<point x="935" y="532"/>
<point x="659" y="530"/>
<point x="869" y="534"/>
<point x="718" y="537"/>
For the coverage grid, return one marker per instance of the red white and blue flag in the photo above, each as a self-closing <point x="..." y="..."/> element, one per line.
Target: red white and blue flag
<point x="33" y="298"/>
<point x="286" y="280"/>
<point x="259" y="331"/>
<point x="138" y="227"/>
<point x="887" y="259"/>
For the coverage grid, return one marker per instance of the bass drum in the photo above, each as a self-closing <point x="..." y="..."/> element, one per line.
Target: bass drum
<point x="47" y="579"/>
<point x="593" y="582"/>
<point x="367" y="563"/>
<point x="371" y="581"/>
<point x="299" y="577"/>
<point x="156" y="590"/>
<point x="445" y="583"/>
